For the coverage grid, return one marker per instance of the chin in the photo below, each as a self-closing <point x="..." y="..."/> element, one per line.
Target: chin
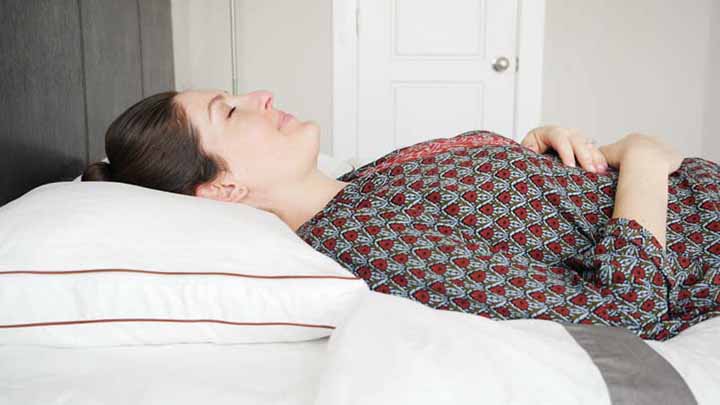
<point x="309" y="129"/>
<point x="297" y="127"/>
<point x="306" y="140"/>
<point x="314" y="134"/>
<point x="312" y="126"/>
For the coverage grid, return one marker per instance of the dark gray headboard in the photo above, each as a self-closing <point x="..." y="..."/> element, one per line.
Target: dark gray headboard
<point x="67" y="69"/>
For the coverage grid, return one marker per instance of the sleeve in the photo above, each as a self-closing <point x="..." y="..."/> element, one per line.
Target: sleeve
<point x="628" y="267"/>
<point x="626" y="288"/>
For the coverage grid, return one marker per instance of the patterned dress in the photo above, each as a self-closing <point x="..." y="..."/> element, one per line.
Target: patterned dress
<point x="479" y="224"/>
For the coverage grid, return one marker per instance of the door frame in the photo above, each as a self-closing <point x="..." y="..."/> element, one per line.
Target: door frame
<point x="530" y="17"/>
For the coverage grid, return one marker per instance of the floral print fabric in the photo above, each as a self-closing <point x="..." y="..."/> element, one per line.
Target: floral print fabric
<point x="479" y="224"/>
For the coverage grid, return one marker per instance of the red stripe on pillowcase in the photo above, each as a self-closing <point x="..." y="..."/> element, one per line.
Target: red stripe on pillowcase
<point x="172" y="273"/>
<point x="27" y="325"/>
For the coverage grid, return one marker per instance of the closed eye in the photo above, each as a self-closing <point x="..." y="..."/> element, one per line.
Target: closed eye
<point x="232" y="110"/>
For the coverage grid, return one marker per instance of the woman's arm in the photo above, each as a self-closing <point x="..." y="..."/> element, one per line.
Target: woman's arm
<point x="642" y="190"/>
<point x="642" y="194"/>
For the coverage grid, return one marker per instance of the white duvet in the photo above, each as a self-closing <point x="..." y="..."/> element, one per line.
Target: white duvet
<point x="392" y="350"/>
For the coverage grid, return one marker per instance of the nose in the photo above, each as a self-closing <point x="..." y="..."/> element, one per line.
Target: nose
<point x="262" y="99"/>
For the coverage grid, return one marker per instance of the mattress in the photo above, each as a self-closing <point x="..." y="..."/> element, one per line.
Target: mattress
<point x="179" y="374"/>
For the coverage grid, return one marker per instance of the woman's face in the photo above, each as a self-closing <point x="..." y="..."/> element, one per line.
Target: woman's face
<point x="261" y="145"/>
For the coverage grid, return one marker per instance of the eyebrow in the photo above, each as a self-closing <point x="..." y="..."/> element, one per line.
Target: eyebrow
<point x="218" y="97"/>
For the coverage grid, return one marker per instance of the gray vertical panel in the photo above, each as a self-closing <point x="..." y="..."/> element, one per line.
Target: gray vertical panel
<point x="42" y="132"/>
<point x="157" y="46"/>
<point x="113" y="76"/>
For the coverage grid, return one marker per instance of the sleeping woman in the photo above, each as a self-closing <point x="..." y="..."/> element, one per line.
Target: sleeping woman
<point x="554" y="227"/>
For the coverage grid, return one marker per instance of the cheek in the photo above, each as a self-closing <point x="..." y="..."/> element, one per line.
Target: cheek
<point x="252" y="140"/>
<point x="268" y="155"/>
<point x="265" y="152"/>
<point x="305" y="138"/>
<point x="293" y="154"/>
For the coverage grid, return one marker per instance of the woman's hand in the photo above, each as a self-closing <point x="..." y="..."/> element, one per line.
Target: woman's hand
<point x="639" y="148"/>
<point x="570" y="146"/>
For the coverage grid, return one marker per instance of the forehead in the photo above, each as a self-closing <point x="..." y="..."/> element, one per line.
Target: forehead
<point x="195" y="104"/>
<point x="196" y="99"/>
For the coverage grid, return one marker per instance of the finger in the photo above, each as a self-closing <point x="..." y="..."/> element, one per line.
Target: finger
<point x="610" y="153"/>
<point x="583" y="153"/>
<point x="530" y="142"/>
<point x="599" y="160"/>
<point x="533" y="141"/>
<point x="564" y="148"/>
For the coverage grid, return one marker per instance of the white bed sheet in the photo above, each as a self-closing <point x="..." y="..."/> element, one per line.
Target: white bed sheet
<point x="179" y="374"/>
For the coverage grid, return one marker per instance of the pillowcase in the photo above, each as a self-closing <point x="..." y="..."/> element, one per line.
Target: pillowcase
<point x="106" y="263"/>
<point x="327" y="164"/>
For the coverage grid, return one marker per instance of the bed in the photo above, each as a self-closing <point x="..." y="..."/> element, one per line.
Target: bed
<point x="371" y="349"/>
<point x="273" y="373"/>
<point x="166" y="333"/>
<point x="91" y="316"/>
<point x="387" y="351"/>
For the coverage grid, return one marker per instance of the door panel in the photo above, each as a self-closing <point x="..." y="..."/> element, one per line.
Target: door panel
<point x="421" y="28"/>
<point x="425" y="71"/>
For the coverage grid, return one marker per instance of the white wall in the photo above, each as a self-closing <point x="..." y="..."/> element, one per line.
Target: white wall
<point x="712" y="90"/>
<point x="201" y="44"/>
<point x="283" y="46"/>
<point x="613" y="67"/>
<point x="610" y="66"/>
<point x="286" y="47"/>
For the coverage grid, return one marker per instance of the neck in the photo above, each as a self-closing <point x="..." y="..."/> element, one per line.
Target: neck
<point x="299" y="202"/>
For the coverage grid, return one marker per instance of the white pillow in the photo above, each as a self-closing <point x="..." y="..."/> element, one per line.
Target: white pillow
<point x="327" y="164"/>
<point x="183" y="269"/>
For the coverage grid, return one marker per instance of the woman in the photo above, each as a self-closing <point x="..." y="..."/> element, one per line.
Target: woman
<point x="475" y="223"/>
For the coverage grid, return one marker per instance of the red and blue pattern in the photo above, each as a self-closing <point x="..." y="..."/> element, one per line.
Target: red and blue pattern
<point x="479" y="224"/>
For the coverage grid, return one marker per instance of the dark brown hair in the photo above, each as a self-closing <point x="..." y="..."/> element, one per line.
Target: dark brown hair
<point x="153" y="144"/>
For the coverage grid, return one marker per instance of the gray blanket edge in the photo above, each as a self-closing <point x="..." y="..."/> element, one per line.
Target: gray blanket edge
<point x="634" y="373"/>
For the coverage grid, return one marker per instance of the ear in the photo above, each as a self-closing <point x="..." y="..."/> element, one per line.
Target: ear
<point x="225" y="188"/>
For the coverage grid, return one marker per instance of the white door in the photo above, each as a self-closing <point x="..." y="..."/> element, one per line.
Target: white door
<point x="432" y="69"/>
